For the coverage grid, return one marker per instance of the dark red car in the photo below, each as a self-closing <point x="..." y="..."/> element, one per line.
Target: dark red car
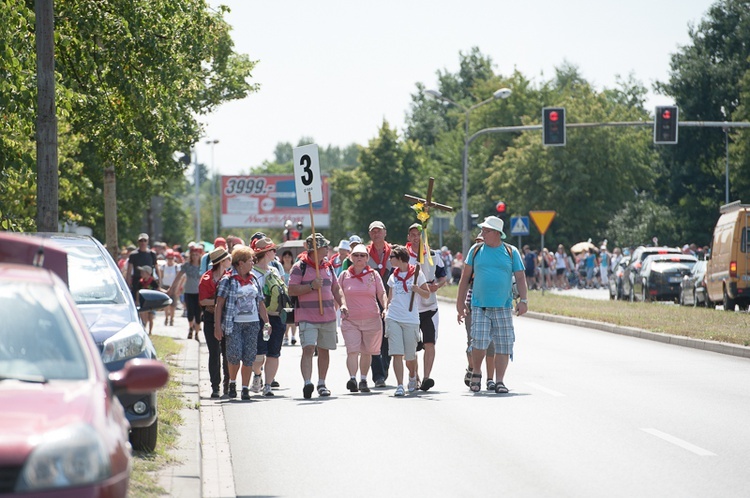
<point x="63" y="430"/>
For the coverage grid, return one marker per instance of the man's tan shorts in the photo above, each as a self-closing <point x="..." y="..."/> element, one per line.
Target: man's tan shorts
<point x="322" y="335"/>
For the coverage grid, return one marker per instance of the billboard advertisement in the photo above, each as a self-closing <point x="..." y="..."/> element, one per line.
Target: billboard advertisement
<point x="267" y="201"/>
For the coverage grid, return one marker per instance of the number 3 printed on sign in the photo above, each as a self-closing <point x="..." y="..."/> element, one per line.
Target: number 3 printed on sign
<point x="306" y="162"/>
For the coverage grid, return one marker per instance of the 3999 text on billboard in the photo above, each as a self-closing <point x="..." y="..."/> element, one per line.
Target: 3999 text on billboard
<point x="261" y="201"/>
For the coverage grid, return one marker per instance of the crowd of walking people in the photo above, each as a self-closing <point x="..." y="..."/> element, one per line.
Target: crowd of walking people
<point x="248" y="302"/>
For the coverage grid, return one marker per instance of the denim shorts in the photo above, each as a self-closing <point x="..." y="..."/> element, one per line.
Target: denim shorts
<point x="272" y="347"/>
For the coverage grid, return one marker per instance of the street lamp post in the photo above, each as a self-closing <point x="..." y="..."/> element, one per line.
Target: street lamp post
<point x="502" y="93"/>
<point x="196" y="171"/>
<point x="214" y="208"/>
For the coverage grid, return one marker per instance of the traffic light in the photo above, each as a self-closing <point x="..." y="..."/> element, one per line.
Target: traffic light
<point x="665" y="125"/>
<point x="553" y="131"/>
<point x="501" y="208"/>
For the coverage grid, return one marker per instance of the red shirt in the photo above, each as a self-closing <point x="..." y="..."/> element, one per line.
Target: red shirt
<point x="207" y="286"/>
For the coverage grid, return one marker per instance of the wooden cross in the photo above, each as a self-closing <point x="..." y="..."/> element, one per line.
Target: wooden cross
<point x="427" y="203"/>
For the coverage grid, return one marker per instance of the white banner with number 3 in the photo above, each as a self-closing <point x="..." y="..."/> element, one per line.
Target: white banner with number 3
<point x="307" y="174"/>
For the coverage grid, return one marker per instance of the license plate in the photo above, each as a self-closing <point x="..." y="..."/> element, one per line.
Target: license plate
<point x="675" y="280"/>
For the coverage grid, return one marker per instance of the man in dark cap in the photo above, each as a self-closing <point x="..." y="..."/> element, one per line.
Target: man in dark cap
<point x="308" y="276"/>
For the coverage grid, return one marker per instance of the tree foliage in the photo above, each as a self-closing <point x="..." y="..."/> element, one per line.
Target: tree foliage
<point x="133" y="78"/>
<point x="706" y="81"/>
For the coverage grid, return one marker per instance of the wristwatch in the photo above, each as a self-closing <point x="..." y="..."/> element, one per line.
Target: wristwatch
<point x="525" y="301"/>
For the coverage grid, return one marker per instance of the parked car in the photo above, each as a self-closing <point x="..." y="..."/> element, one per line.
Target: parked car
<point x="693" y="286"/>
<point x="661" y="275"/>
<point x="615" y="279"/>
<point x="63" y="430"/>
<point x="631" y="275"/>
<point x="728" y="269"/>
<point x="102" y="295"/>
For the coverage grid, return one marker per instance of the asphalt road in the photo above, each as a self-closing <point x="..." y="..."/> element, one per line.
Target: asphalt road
<point x="589" y="414"/>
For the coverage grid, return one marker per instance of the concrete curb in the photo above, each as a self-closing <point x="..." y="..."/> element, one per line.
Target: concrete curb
<point x="713" y="346"/>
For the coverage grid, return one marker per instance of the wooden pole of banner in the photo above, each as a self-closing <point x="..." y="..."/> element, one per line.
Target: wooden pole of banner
<point x="315" y="251"/>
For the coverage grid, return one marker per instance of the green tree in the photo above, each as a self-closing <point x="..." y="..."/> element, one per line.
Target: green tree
<point x="706" y="81"/>
<point x="133" y="78"/>
<point x="389" y="170"/>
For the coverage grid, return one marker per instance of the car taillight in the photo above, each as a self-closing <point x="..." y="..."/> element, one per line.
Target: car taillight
<point x="733" y="269"/>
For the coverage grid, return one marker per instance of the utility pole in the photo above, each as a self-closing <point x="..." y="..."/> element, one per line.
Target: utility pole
<point x="46" y="122"/>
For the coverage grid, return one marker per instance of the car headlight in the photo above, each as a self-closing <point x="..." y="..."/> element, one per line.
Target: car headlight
<point x="128" y="343"/>
<point x="71" y="456"/>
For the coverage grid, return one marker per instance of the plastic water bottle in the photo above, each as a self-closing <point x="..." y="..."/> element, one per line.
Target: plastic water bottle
<point x="266" y="331"/>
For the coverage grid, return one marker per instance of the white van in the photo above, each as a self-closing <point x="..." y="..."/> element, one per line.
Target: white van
<point x="728" y="269"/>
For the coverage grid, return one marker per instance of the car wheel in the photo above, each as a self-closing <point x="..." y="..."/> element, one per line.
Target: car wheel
<point x="728" y="302"/>
<point x="144" y="438"/>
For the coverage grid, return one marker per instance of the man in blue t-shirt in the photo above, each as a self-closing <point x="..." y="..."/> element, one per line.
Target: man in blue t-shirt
<point x="493" y="265"/>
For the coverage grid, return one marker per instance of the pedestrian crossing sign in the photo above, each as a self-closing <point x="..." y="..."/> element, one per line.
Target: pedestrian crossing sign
<point x="519" y="225"/>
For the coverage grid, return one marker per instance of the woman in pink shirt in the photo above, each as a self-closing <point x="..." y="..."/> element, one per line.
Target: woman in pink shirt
<point x="361" y="323"/>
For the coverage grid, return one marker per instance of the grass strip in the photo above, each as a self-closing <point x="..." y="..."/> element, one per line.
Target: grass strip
<point x="143" y="478"/>
<point x="697" y="323"/>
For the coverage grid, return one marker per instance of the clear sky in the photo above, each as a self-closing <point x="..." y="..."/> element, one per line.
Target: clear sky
<point x="333" y="70"/>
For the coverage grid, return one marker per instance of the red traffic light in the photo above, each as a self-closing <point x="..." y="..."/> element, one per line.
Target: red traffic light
<point x="501" y="207"/>
<point x="553" y="116"/>
<point x="666" y="114"/>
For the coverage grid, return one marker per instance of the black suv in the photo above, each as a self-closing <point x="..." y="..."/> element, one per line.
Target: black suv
<point x="632" y="271"/>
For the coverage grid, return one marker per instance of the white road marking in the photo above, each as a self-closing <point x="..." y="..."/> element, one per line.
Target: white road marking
<point x="544" y="389"/>
<point x="679" y="442"/>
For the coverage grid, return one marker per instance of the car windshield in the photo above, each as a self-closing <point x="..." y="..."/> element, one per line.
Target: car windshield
<point x="90" y="279"/>
<point x="38" y="342"/>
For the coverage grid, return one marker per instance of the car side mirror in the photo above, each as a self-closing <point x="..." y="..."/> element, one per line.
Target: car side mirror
<point x="151" y="300"/>
<point x="139" y="376"/>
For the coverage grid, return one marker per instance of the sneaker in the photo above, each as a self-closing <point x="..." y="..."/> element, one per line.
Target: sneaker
<point x="352" y="385"/>
<point x="380" y="383"/>
<point x="286" y="341"/>
<point x="245" y="394"/>
<point x="294" y="341"/>
<point x="363" y="386"/>
<point x="412" y="385"/>
<point x="215" y="394"/>
<point x="257" y="384"/>
<point x="399" y="391"/>
<point x="267" y="390"/>
<point x="232" y="393"/>
<point x="275" y="383"/>
<point x="308" y="390"/>
<point x="427" y="383"/>
<point x="490" y="385"/>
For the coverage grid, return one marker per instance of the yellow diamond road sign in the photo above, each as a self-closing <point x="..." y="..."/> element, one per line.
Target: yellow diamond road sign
<point x="542" y="219"/>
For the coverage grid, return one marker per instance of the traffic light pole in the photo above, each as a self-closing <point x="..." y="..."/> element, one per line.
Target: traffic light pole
<point x="465" y="239"/>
